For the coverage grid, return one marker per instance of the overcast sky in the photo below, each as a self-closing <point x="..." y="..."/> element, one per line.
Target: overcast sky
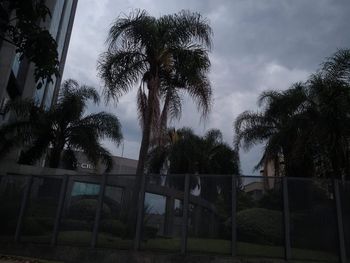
<point x="258" y="45"/>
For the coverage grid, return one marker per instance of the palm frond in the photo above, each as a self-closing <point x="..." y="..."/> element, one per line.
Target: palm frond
<point x="213" y="137"/>
<point x="185" y="27"/>
<point x="120" y="71"/>
<point x="172" y="105"/>
<point x="138" y="28"/>
<point x="72" y="100"/>
<point x="338" y="66"/>
<point x="22" y="108"/>
<point x="104" y="124"/>
<point x="266" y="97"/>
<point x="35" y="151"/>
<point x="251" y="128"/>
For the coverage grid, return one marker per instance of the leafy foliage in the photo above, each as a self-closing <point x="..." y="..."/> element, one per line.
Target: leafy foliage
<point x="20" y="25"/>
<point x="114" y="227"/>
<point x="188" y="153"/>
<point x="85" y="209"/>
<point x="260" y="225"/>
<point x="63" y="128"/>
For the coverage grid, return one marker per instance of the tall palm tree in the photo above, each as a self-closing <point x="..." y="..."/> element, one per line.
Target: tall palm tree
<point x="61" y="130"/>
<point x="329" y="111"/>
<point x="166" y="55"/>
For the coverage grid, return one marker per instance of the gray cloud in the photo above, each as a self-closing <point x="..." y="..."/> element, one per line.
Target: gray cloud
<point x="258" y="45"/>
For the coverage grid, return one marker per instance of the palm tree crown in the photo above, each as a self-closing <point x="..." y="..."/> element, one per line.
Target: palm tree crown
<point x="165" y="55"/>
<point x="63" y="129"/>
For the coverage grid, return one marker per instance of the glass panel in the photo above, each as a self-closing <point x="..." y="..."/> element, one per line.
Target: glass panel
<point x="11" y="191"/>
<point x="313" y="220"/>
<point x="79" y="213"/>
<point x="116" y="230"/>
<point x="39" y="93"/>
<point x="64" y="26"/>
<point x="56" y="18"/>
<point x="260" y="217"/>
<point x="49" y="93"/>
<point x="209" y="226"/>
<point x="345" y="202"/>
<point x="163" y="213"/>
<point x="81" y="188"/>
<point x="41" y="211"/>
<point x="16" y="64"/>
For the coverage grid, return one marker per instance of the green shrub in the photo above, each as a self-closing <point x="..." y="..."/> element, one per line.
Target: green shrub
<point x="314" y="228"/>
<point x="75" y="225"/>
<point x="114" y="227"/>
<point x="31" y="226"/>
<point x="150" y="231"/>
<point x="85" y="209"/>
<point x="260" y="225"/>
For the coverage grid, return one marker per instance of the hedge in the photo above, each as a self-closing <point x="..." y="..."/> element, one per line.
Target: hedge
<point x="260" y="225"/>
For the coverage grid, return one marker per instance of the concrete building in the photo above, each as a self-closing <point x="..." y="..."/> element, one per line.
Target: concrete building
<point x="121" y="165"/>
<point x="17" y="76"/>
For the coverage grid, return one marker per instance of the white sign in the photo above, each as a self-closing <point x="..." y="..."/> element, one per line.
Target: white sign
<point x="87" y="166"/>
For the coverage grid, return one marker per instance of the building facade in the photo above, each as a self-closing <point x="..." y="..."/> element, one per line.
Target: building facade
<point x="17" y="76"/>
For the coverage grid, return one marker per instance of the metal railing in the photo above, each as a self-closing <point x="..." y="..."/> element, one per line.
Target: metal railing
<point x="293" y="218"/>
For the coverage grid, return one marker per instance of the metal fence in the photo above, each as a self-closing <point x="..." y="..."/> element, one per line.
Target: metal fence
<point x="291" y="218"/>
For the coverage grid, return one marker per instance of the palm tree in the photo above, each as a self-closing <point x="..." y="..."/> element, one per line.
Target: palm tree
<point x="307" y="124"/>
<point x="329" y="114"/>
<point x="278" y="125"/>
<point x="166" y="55"/>
<point x="189" y="153"/>
<point x="61" y="130"/>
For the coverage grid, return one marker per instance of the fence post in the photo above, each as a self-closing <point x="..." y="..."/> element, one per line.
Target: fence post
<point x="185" y="214"/>
<point x="59" y="210"/>
<point x="233" y="216"/>
<point x="98" y="211"/>
<point x="140" y="208"/>
<point x="342" y="250"/>
<point x="286" y="217"/>
<point x="24" y="203"/>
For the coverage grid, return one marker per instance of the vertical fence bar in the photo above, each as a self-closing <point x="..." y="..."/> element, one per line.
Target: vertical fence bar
<point x="233" y="216"/>
<point x="24" y="203"/>
<point x="140" y="208"/>
<point x="286" y="217"/>
<point x="342" y="250"/>
<point x="98" y="211"/>
<point x="59" y="210"/>
<point x="185" y="214"/>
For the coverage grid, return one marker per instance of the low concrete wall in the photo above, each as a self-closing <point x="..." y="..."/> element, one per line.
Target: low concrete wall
<point x="70" y="254"/>
<point x="13" y="168"/>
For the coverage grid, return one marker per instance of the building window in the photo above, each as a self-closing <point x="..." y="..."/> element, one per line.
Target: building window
<point x="80" y="188"/>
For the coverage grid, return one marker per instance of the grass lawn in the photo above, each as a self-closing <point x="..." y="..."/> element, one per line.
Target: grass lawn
<point x="195" y="245"/>
<point x="17" y="259"/>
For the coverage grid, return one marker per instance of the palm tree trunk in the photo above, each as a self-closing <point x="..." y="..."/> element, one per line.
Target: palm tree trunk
<point x="164" y="115"/>
<point x="146" y="133"/>
<point x="153" y="85"/>
<point x="163" y="123"/>
<point x="55" y="157"/>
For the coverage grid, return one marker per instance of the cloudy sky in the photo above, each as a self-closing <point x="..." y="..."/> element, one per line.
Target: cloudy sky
<point x="258" y="45"/>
